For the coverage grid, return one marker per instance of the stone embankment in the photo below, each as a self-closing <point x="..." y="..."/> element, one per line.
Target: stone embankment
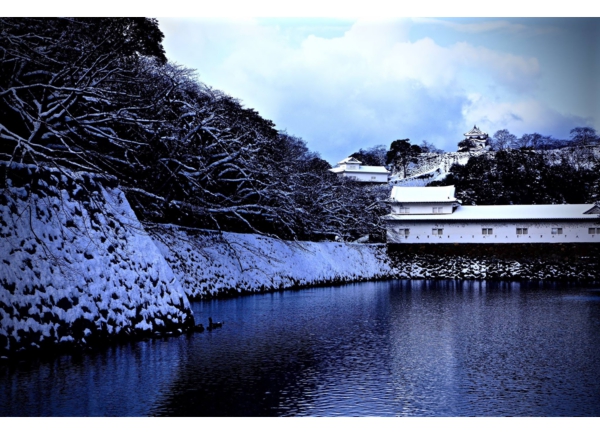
<point x="565" y="262"/>
<point x="78" y="269"/>
<point x="76" y="266"/>
<point x="211" y="264"/>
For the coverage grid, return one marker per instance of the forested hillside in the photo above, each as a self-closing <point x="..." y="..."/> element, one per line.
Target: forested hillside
<point x="99" y="95"/>
<point x="527" y="176"/>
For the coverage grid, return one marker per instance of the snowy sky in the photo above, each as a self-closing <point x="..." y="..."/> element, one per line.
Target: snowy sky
<point x="367" y="75"/>
<point x="345" y="83"/>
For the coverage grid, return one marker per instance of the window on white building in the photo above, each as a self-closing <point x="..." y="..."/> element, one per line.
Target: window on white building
<point x="594" y="231"/>
<point x="404" y="232"/>
<point x="487" y="231"/>
<point x="557" y="230"/>
<point x="437" y="231"/>
<point x="404" y="210"/>
<point x="522" y="231"/>
<point x="437" y="209"/>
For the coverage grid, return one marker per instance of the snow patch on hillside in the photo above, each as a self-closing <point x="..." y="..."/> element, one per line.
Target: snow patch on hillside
<point x="431" y="167"/>
<point x="434" y="167"/>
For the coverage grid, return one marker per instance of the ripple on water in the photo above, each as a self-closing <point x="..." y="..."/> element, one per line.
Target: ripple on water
<point x="397" y="348"/>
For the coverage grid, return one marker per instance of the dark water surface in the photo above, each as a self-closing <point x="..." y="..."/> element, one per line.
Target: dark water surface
<point x="395" y="348"/>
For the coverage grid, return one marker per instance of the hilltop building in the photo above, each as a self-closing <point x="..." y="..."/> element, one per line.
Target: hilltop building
<point x="353" y="168"/>
<point x="475" y="140"/>
<point x="427" y="215"/>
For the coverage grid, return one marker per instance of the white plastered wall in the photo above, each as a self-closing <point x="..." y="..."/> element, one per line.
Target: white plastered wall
<point x="502" y="232"/>
<point x="421" y="209"/>
<point x="366" y="176"/>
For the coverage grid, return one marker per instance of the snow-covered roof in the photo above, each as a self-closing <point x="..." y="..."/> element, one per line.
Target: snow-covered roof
<point x="474" y="132"/>
<point x="362" y="169"/>
<point x="350" y="160"/>
<point x="507" y="212"/>
<point x="422" y="194"/>
<point x="594" y="210"/>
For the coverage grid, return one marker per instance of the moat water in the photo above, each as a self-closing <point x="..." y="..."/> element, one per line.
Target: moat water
<point x="392" y="348"/>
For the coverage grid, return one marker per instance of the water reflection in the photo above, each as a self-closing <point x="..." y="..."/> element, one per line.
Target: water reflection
<point x="121" y="380"/>
<point x="443" y="348"/>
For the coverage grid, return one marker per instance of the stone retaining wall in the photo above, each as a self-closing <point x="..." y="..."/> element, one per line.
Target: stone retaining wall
<point x="76" y="266"/>
<point x="579" y="262"/>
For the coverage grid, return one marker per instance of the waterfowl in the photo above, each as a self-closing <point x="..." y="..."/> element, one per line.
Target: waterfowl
<point x="212" y="325"/>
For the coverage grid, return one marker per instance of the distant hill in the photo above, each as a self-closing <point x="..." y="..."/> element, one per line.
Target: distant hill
<point x="434" y="166"/>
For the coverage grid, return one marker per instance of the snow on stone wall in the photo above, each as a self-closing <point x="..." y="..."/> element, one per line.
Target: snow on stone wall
<point x="565" y="261"/>
<point x="77" y="268"/>
<point x="75" y="265"/>
<point x="209" y="263"/>
<point x="425" y="266"/>
<point x="431" y="167"/>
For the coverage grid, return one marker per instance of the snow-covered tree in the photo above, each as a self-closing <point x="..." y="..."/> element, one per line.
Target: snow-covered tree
<point x="520" y="176"/>
<point x="428" y="147"/>
<point x="98" y="95"/>
<point x="401" y="154"/>
<point x="503" y="139"/>
<point x="373" y="156"/>
<point x="69" y="90"/>
<point x="583" y="136"/>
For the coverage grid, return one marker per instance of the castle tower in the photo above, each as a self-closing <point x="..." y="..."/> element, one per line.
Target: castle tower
<point x="476" y="139"/>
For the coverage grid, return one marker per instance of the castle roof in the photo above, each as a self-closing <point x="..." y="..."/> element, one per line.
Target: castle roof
<point x="475" y="132"/>
<point x="350" y="160"/>
<point x="423" y="194"/>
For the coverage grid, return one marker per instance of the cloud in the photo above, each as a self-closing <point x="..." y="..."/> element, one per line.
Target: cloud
<point x="460" y="66"/>
<point x="519" y="117"/>
<point x="371" y="84"/>
<point x="476" y="27"/>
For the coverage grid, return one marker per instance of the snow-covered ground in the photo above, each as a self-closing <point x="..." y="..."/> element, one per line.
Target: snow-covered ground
<point x="209" y="263"/>
<point x="430" y="167"/>
<point x="76" y="267"/>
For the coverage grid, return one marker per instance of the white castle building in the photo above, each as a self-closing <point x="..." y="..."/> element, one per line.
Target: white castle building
<point x="353" y="168"/>
<point x="476" y="138"/>
<point x="433" y="215"/>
